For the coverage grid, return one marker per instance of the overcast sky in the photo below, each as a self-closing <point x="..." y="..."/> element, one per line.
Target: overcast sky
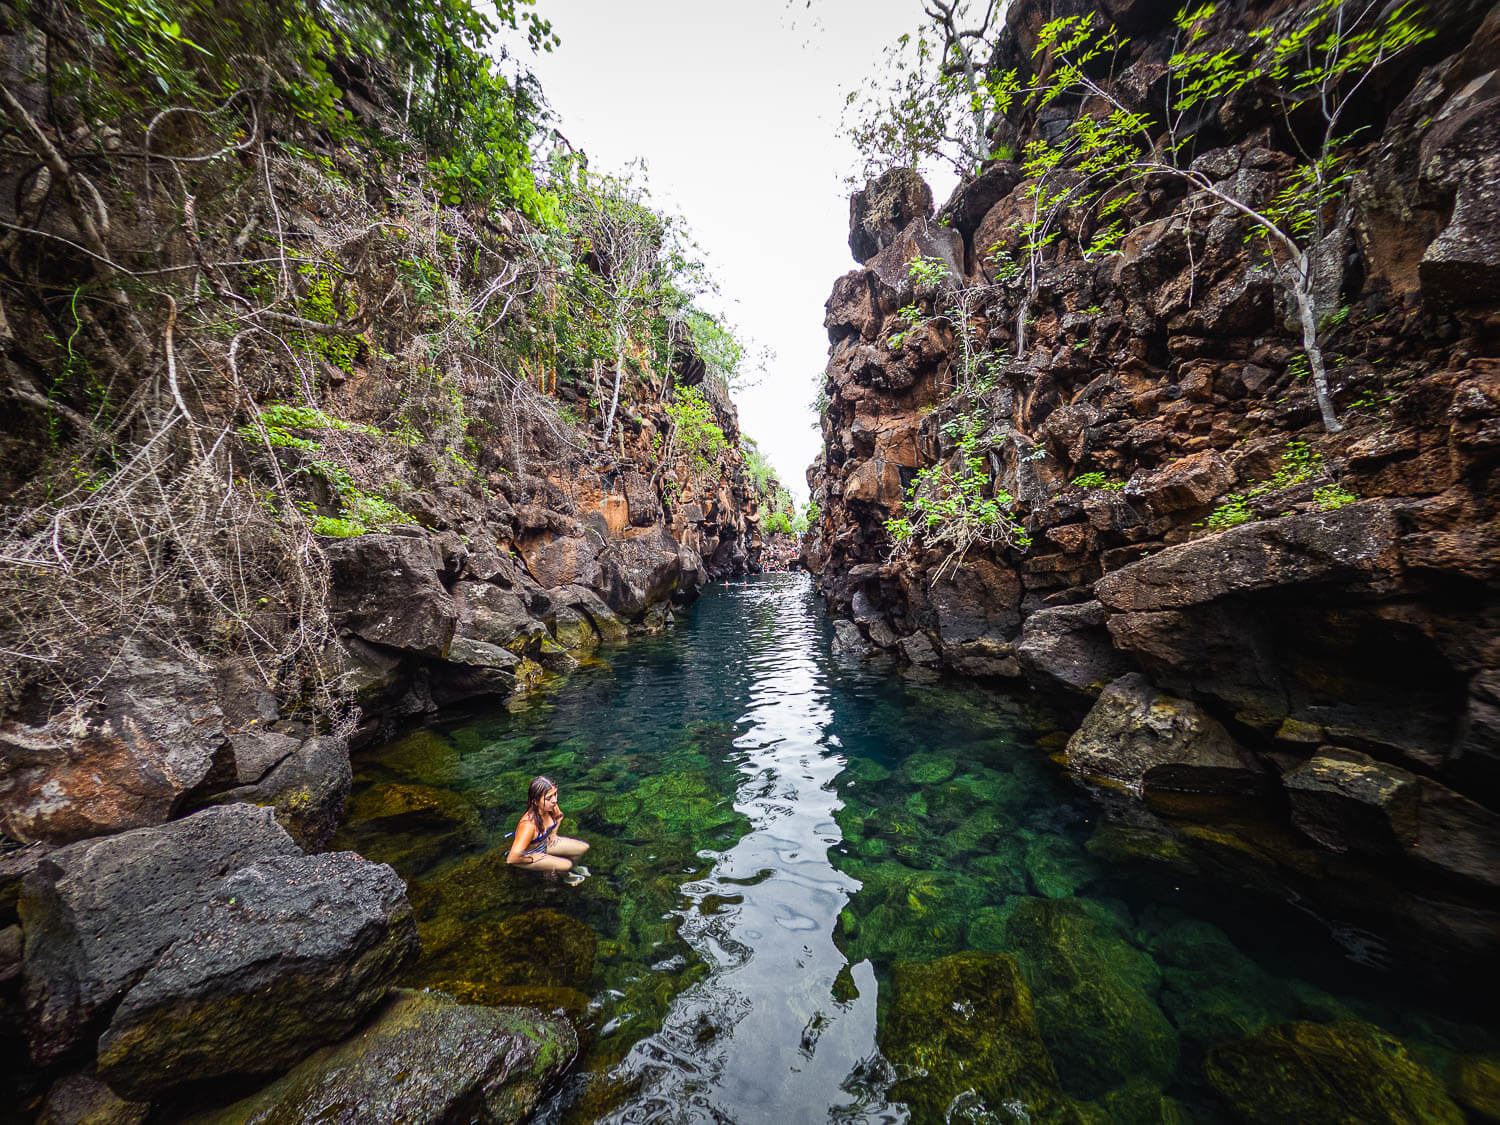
<point x="735" y="107"/>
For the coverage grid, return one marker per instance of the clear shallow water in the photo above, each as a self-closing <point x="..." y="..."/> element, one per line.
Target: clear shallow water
<point x="788" y="851"/>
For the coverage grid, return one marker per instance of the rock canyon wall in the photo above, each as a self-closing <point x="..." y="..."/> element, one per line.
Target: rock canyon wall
<point x="1264" y="621"/>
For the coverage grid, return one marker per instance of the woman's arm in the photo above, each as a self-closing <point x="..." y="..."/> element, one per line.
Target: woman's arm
<point x="525" y="835"/>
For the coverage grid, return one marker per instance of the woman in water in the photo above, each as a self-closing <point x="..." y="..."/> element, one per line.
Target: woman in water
<point x="537" y="843"/>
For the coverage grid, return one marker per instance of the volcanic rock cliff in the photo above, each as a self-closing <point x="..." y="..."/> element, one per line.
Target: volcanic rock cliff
<point x="1269" y="621"/>
<point x="294" y="445"/>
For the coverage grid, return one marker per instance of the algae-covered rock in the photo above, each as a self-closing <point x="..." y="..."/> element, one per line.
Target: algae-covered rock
<point x="423" y="756"/>
<point x="426" y="1059"/>
<point x="1345" y="1072"/>
<point x="928" y="769"/>
<point x="404" y="822"/>
<point x="965" y="1024"/>
<point x="1140" y="1103"/>
<point x="288" y="954"/>
<point x="540" y="948"/>
<point x="1058" y="867"/>
<point x="1210" y="989"/>
<point x="1095" y="995"/>
<point x="1476" y="1085"/>
<point x="81" y="1099"/>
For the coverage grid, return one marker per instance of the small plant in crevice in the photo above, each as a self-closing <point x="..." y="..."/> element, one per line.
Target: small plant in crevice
<point x="1097" y="480"/>
<point x="1300" y="464"/>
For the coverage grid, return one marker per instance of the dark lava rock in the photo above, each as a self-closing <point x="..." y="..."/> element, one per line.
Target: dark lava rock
<point x="97" y="914"/>
<point x="289" y="953"/>
<point x="965" y="1023"/>
<point x="1348" y="801"/>
<point x="426" y="1059"/>
<point x="1347" y="1071"/>
<point x="308" y="790"/>
<point x="1355" y="546"/>
<point x="386" y="590"/>
<point x="1136" y="735"/>
<point x="884" y="208"/>
<point x="1068" y="647"/>
<point x="126" y="764"/>
<point x="81" y="1099"/>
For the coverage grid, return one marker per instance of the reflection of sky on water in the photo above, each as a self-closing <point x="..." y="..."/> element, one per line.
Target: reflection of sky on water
<point x="763" y="1037"/>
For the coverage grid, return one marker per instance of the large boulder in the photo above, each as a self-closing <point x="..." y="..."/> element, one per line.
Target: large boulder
<point x="387" y="589"/>
<point x="307" y="790"/>
<point x="639" y="572"/>
<point x="495" y="616"/>
<point x="286" y="955"/>
<point x="1354" y="546"/>
<point x="882" y="210"/>
<point x="123" y="759"/>
<point x="1140" y="738"/>
<point x="426" y="1060"/>
<point x="1348" y="801"/>
<point x="97" y="914"/>
<point x="564" y="560"/>
<point x="1347" y="1071"/>
<point x="1068" y="647"/>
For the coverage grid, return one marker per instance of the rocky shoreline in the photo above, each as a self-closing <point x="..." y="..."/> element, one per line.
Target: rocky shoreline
<point x="152" y="951"/>
<point x="1282" y="639"/>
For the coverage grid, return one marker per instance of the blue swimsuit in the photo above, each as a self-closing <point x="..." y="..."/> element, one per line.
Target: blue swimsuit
<point x="539" y="845"/>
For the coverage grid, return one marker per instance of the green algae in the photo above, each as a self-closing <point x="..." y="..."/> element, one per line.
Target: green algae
<point x="1095" y="994"/>
<point x="962" y="1030"/>
<point x="928" y="769"/>
<point x="1346" y="1072"/>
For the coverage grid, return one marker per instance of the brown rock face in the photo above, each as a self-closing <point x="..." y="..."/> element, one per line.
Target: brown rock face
<point x="884" y="208"/>
<point x="1188" y="518"/>
<point x="125" y="763"/>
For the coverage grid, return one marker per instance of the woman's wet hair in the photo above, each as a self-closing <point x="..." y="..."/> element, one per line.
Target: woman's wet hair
<point x="539" y="788"/>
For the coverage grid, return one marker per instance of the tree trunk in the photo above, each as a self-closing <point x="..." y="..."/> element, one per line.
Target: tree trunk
<point x="1308" y="318"/>
<point x="614" y="401"/>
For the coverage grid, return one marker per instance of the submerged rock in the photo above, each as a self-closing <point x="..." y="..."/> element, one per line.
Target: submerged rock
<point x="1347" y="1071"/>
<point x="97" y="914"/>
<point x="1095" y="995"/>
<point x="965" y="1024"/>
<point x="1143" y="738"/>
<point x="426" y="1059"/>
<point x="288" y="954"/>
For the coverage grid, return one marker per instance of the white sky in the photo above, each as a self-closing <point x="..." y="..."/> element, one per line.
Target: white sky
<point x="735" y="106"/>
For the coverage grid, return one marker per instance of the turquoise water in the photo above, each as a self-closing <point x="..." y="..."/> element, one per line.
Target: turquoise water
<point x="823" y="891"/>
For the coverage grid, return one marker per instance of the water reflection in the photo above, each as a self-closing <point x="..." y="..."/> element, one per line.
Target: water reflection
<point x="772" y="1033"/>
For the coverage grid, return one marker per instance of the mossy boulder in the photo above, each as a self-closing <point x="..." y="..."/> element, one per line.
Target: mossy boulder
<point x="1095" y="995"/>
<point x="422" y="756"/>
<point x="928" y="769"/>
<point x="964" y="1025"/>
<point x="425" y="1059"/>
<point x="1344" y="1072"/>
<point x="542" y="948"/>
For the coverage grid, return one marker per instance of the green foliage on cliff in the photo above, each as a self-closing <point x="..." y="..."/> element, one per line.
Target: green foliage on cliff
<point x="1311" y="63"/>
<point x="697" y="432"/>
